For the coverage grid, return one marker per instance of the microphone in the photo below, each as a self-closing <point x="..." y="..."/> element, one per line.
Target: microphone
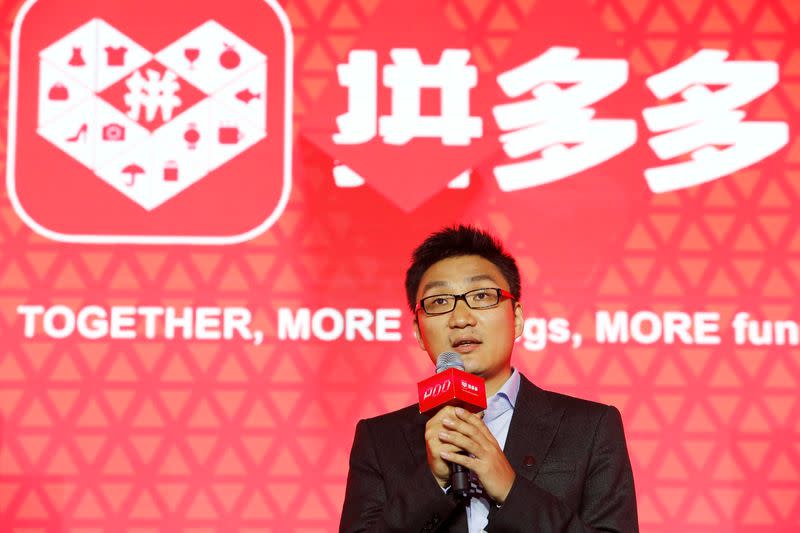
<point x="453" y="386"/>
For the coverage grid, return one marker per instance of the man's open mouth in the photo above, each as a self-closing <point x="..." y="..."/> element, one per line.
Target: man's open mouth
<point x="465" y="342"/>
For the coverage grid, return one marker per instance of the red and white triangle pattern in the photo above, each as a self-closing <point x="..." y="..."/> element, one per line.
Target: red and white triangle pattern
<point x="190" y="436"/>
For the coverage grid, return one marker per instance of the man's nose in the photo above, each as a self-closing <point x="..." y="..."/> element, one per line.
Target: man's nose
<point x="462" y="315"/>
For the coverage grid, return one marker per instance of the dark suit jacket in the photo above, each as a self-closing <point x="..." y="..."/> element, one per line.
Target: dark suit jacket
<point x="572" y="465"/>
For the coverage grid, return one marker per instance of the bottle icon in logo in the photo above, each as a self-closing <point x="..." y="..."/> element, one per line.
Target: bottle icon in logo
<point x="171" y="171"/>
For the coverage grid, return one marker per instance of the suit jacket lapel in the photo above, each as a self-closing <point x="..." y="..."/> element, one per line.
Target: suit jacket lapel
<point x="533" y="427"/>
<point x="414" y="432"/>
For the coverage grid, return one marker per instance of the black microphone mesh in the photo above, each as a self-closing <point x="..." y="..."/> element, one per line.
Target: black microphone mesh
<point x="448" y="360"/>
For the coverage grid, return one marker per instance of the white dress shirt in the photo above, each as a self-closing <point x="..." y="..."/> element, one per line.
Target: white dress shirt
<point x="497" y="417"/>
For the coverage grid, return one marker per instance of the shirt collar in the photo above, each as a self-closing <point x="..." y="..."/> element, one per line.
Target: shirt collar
<point x="510" y="388"/>
<point x="503" y="399"/>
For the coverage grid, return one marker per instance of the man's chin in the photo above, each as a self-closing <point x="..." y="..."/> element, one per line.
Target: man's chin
<point x="472" y="365"/>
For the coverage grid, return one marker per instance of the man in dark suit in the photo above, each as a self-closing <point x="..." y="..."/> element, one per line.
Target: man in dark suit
<point x="544" y="462"/>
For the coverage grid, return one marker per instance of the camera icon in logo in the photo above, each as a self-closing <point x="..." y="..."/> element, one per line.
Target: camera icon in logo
<point x="113" y="132"/>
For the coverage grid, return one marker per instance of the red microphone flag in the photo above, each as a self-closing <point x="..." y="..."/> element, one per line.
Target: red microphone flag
<point x="452" y="387"/>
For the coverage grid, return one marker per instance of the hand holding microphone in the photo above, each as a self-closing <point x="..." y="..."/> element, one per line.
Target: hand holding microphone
<point x="449" y="389"/>
<point x="456" y="438"/>
<point x="446" y="473"/>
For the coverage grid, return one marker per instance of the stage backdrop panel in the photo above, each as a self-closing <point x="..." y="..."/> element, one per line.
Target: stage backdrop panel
<point x="210" y="206"/>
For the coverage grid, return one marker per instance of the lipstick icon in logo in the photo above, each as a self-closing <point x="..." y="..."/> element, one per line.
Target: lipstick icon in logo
<point x="131" y="129"/>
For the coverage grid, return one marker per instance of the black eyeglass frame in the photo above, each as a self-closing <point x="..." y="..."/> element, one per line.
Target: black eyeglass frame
<point x="463" y="296"/>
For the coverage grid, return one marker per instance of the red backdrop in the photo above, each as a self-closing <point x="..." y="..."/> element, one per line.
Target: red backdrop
<point x="151" y="433"/>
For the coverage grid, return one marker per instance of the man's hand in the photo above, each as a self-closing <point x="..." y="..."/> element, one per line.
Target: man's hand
<point x="466" y="431"/>
<point x="435" y="447"/>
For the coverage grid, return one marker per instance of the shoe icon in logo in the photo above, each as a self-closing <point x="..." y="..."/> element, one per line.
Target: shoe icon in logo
<point x="80" y="135"/>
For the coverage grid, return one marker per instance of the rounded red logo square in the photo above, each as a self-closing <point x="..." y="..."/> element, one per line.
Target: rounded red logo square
<point x="150" y="122"/>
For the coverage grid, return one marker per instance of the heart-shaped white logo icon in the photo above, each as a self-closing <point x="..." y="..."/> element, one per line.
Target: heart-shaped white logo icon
<point x="151" y="125"/>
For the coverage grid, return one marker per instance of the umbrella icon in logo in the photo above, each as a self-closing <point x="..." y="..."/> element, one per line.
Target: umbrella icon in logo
<point x="132" y="171"/>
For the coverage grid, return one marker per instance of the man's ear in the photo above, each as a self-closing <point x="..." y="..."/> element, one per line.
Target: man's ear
<point x="519" y="320"/>
<point x="418" y="334"/>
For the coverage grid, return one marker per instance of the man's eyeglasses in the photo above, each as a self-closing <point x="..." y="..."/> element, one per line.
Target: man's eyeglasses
<point x="439" y="304"/>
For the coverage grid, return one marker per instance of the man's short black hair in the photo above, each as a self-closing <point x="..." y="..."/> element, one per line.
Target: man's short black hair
<point x="457" y="241"/>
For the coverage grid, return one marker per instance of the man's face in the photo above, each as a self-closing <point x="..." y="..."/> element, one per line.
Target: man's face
<point x="483" y="337"/>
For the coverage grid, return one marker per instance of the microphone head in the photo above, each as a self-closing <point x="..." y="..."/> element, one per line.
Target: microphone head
<point x="448" y="360"/>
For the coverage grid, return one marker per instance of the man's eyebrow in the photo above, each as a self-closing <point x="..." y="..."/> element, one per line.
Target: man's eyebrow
<point x="482" y="277"/>
<point x="435" y="284"/>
